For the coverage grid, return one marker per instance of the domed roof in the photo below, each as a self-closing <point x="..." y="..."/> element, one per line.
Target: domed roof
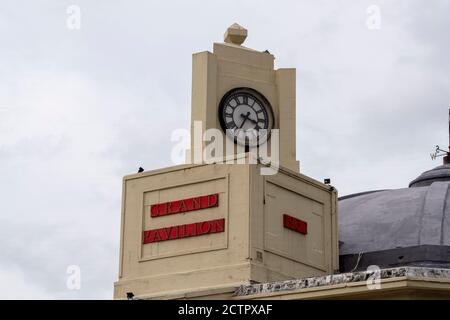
<point x="381" y="222"/>
<point x="440" y="173"/>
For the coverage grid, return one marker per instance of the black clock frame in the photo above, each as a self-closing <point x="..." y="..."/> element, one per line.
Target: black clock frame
<point x="259" y="96"/>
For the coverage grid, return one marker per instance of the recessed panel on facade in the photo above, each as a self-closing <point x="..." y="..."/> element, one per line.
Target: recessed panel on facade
<point x="185" y="219"/>
<point x="301" y="245"/>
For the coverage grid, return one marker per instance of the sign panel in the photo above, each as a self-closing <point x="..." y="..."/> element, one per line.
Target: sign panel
<point x="184" y="217"/>
<point x="295" y="224"/>
<point x="184" y="231"/>
<point x="185" y="205"/>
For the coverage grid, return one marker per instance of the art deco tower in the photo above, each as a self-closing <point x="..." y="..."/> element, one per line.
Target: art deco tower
<point x="202" y="229"/>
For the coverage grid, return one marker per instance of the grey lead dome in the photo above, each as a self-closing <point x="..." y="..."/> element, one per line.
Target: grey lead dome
<point x="440" y="173"/>
<point x="409" y="226"/>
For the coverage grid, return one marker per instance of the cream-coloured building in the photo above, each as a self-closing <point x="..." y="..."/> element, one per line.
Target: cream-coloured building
<point x="244" y="223"/>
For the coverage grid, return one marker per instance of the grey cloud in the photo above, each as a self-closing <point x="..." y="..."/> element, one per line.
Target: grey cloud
<point x="80" y="109"/>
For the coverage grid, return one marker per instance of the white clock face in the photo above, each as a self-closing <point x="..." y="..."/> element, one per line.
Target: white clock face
<point x="246" y="116"/>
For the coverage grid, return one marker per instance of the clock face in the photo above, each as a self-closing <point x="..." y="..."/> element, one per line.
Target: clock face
<point x="246" y="116"/>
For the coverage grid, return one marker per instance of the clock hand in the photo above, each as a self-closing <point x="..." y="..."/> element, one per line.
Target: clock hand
<point x="245" y="118"/>
<point x="254" y="121"/>
<point x="257" y="127"/>
<point x="246" y="115"/>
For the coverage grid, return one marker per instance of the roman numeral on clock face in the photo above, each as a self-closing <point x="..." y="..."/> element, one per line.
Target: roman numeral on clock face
<point x="231" y="124"/>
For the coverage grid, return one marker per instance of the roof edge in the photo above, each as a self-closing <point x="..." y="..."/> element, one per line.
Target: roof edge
<point x="421" y="256"/>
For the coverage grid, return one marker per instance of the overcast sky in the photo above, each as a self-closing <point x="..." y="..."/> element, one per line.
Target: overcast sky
<point x="79" y="109"/>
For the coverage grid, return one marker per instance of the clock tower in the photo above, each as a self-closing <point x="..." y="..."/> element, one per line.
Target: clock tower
<point x="201" y="229"/>
<point x="237" y="88"/>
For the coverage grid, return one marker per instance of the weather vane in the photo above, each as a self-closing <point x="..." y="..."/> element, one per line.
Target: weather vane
<point x="440" y="152"/>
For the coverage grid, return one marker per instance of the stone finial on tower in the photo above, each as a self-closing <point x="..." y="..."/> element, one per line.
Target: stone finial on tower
<point x="235" y="34"/>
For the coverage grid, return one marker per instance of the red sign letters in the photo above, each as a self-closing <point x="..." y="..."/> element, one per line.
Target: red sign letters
<point x="184" y="231"/>
<point x="295" y="224"/>
<point x="179" y="206"/>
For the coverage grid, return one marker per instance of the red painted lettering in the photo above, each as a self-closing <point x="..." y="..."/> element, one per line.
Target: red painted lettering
<point x="213" y="200"/>
<point x="183" y="231"/>
<point x="190" y="230"/>
<point x="295" y="224"/>
<point x="185" y="205"/>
